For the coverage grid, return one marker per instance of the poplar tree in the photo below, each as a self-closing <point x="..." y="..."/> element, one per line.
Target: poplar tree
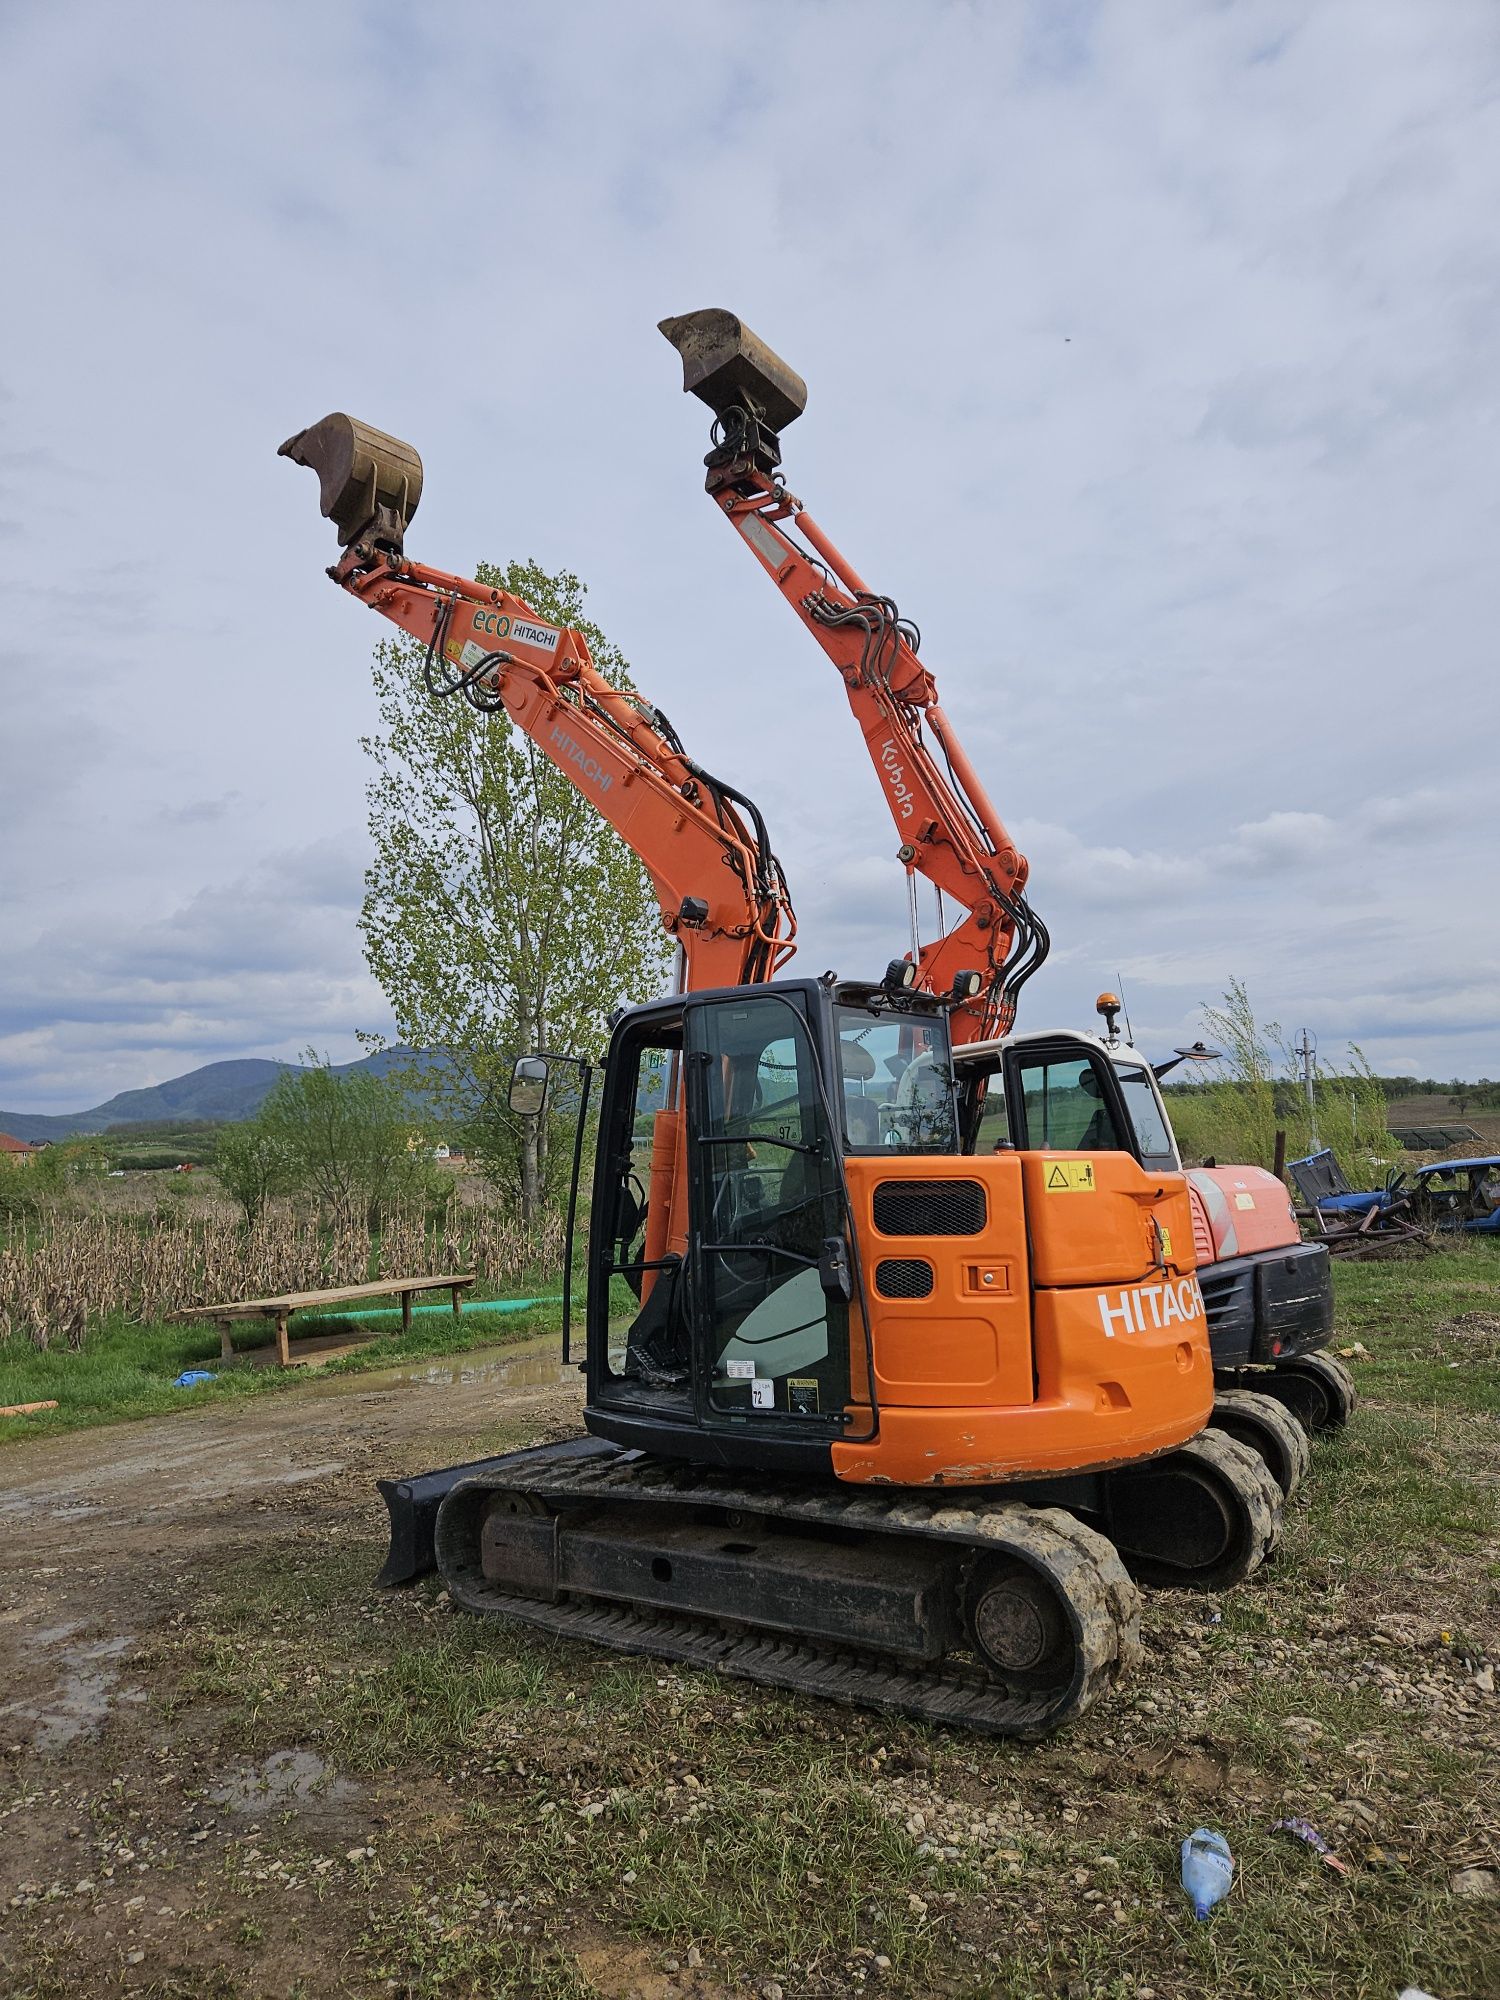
<point x="501" y="914"/>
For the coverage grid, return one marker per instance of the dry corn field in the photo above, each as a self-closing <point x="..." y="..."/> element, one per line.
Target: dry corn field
<point x="77" y="1269"/>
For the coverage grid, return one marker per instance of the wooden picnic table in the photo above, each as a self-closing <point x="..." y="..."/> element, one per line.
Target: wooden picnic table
<point x="281" y="1309"/>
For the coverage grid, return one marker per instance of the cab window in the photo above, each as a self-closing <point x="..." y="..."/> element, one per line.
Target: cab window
<point x="1153" y="1141"/>
<point x="1065" y="1106"/>
<point x="896" y="1077"/>
<point x="992" y="1126"/>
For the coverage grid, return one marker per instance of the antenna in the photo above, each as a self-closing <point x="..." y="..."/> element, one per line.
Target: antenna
<point x="1125" y="1007"/>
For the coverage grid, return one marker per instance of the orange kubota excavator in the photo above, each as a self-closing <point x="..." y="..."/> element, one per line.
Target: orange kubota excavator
<point x="885" y="1415"/>
<point x="1268" y="1294"/>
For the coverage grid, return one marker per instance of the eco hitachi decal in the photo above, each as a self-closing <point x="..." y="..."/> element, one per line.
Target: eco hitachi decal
<point x="498" y="626"/>
<point x="1133" y="1308"/>
<point x="895" y="777"/>
<point x="574" y="753"/>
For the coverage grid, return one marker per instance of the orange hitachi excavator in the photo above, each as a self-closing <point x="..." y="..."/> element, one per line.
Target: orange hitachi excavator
<point x="885" y="1414"/>
<point x="1268" y="1294"/>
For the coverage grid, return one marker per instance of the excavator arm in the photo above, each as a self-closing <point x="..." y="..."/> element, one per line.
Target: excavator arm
<point x="950" y="831"/>
<point x="703" y="844"/>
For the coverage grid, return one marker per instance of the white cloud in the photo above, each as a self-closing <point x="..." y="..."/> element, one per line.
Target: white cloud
<point x="1152" y="367"/>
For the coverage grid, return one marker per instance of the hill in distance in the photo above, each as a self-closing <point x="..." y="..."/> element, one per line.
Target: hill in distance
<point x="219" y="1092"/>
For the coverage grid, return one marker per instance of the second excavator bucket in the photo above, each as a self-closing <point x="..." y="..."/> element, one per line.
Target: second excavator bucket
<point x="728" y="367"/>
<point x="370" y="482"/>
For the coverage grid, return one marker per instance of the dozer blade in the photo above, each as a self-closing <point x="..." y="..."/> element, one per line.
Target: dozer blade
<point x="413" y="1506"/>
<point x="370" y="482"/>
<point x="728" y="367"/>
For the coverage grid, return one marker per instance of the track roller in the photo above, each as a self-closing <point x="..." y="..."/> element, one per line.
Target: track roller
<point x="1203" y="1517"/>
<point x="1267" y="1426"/>
<point x="994" y="1616"/>
<point x="1317" y="1389"/>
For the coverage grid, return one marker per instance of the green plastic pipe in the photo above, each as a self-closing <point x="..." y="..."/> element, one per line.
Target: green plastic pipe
<point x="467" y="1306"/>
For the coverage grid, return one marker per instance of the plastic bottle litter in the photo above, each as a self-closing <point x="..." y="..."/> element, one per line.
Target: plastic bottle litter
<point x="191" y="1377"/>
<point x="1207" y="1869"/>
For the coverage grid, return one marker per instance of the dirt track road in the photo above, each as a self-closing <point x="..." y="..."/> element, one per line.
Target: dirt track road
<point x="260" y="1469"/>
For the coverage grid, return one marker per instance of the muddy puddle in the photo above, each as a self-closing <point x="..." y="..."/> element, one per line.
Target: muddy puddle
<point x="87" y="1687"/>
<point x="502" y="1367"/>
<point x="286" y="1780"/>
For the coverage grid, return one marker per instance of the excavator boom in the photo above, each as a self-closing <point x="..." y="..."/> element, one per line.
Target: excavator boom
<point x="704" y="845"/>
<point x="949" y="828"/>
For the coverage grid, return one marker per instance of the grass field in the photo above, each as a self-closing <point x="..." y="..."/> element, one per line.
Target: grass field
<point x="497" y="1815"/>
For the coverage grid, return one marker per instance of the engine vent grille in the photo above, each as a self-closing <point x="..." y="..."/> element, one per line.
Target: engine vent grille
<point x="929" y="1208"/>
<point x="903" y="1278"/>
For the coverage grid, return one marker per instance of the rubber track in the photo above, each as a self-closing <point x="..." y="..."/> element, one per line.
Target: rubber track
<point x="1249" y="1477"/>
<point x="1275" y="1417"/>
<point x="1324" y="1363"/>
<point x="1102" y="1602"/>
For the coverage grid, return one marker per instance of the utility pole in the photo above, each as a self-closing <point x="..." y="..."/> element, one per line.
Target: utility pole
<point x="1307" y="1048"/>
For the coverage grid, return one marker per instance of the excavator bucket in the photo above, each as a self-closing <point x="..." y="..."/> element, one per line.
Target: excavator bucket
<point x="370" y="483"/>
<point x="728" y="367"/>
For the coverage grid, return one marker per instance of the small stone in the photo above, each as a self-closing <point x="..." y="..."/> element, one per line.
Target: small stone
<point x="770" y="1990"/>
<point x="694" y="1957"/>
<point x="1484" y="1680"/>
<point x="882" y="1963"/>
<point x="1475" y="1882"/>
<point x="134" y="1957"/>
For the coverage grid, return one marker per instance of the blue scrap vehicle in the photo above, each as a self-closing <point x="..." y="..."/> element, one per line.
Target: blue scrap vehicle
<point x="1448" y="1195"/>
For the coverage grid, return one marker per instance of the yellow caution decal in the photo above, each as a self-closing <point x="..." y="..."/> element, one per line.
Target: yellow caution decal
<point x="1069" y="1177"/>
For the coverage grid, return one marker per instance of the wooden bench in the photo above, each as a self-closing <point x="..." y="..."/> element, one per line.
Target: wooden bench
<point x="281" y="1309"/>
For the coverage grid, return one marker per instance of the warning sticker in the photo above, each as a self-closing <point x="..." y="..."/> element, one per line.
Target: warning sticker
<point x="470" y="655"/>
<point x="740" y="1371"/>
<point x="771" y="551"/>
<point x="762" y="1395"/>
<point x="802" y="1395"/>
<point x="1244" y="1201"/>
<point x="1069" y="1177"/>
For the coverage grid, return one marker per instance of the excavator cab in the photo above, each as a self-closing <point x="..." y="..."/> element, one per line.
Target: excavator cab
<point x="797" y="1266"/>
<point x="1059" y="1089"/>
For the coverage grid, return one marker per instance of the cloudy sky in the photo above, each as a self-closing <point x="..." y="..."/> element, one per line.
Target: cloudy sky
<point x="1153" y="355"/>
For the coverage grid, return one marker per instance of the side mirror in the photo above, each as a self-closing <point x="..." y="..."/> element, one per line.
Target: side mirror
<point x="528" y="1086"/>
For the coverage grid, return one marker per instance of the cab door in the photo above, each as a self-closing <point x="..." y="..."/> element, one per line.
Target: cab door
<point x="769" y="1216"/>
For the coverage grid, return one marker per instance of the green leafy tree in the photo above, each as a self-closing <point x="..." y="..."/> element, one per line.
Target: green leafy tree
<point x="348" y="1140"/>
<point x="254" y="1163"/>
<point x="501" y="913"/>
<point x="58" y="1168"/>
